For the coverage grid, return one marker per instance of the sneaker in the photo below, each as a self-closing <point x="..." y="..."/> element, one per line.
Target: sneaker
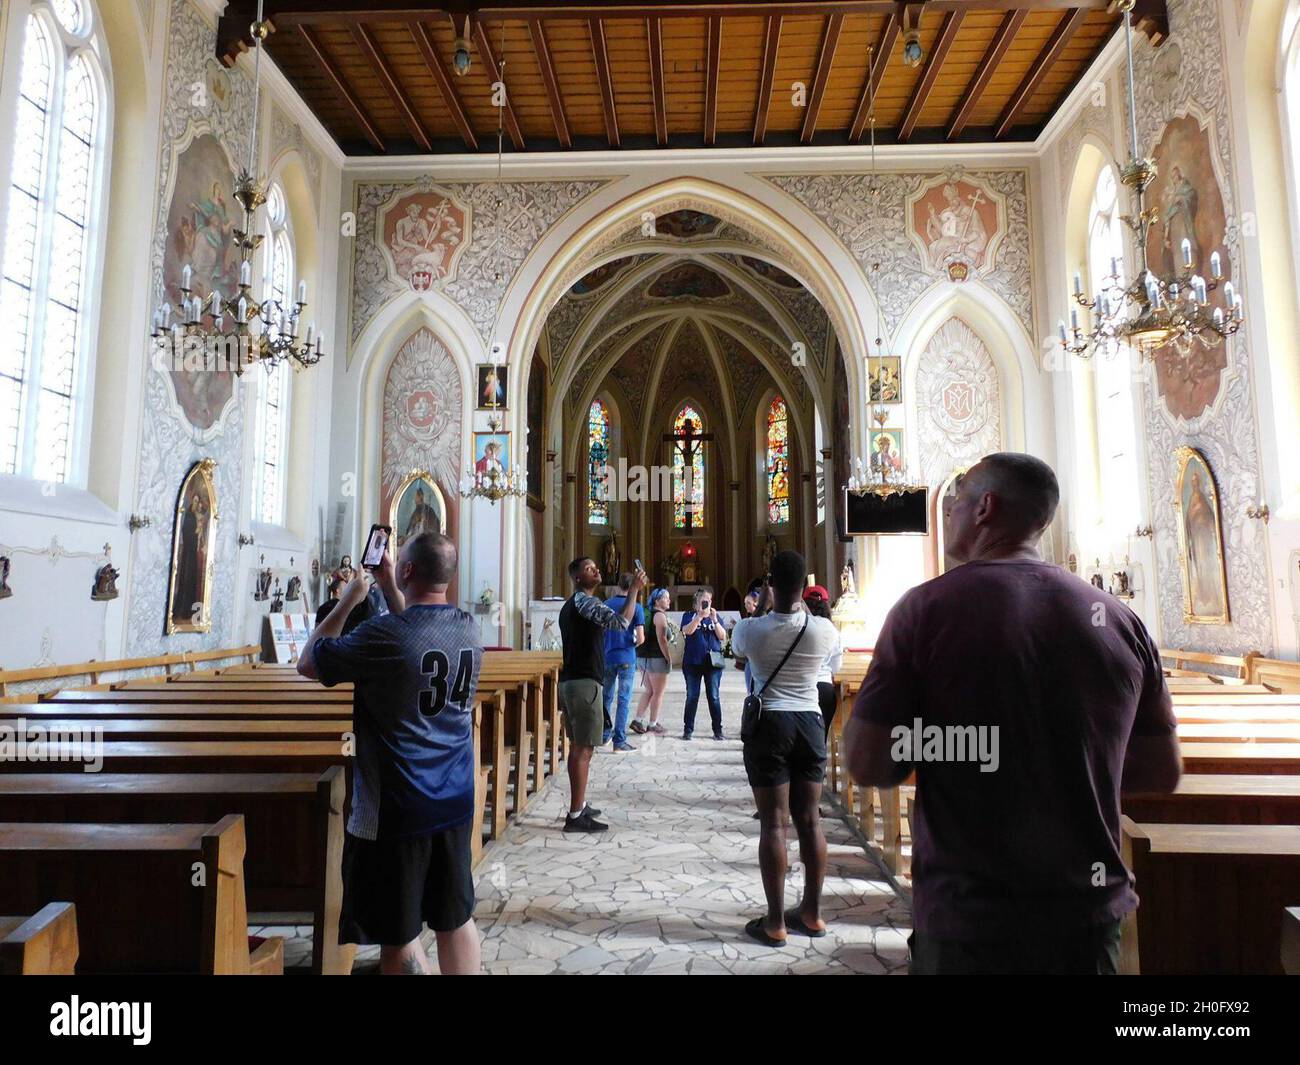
<point x="584" y="822"/>
<point x="719" y="736"/>
<point x="686" y="735"/>
<point x="638" y="728"/>
<point x="624" y="746"/>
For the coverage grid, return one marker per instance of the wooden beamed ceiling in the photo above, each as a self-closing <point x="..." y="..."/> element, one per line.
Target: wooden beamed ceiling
<point x="610" y="75"/>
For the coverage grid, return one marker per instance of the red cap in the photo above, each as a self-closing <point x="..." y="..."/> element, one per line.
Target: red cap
<point x="816" y="591"/>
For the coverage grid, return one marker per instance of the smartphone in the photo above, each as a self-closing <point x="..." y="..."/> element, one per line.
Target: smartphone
<point x="636" y="565"/>
<point x="376" y="545"/>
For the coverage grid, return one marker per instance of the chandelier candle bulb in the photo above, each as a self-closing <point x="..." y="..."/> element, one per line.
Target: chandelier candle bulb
<point x="243" y="309"/>
<point x="245" y="272"/>
<point x="1074" y="319"/>
<point x="1114" y="266"/>
<point x="1078" y="283"/>
<point x="186" y="276"/>
<point x="1187" y="252"/>
<point x="302" y="293"/>
<point x="1216" y="266"/>
<point x="1218" y="316"/>
<point x="1229" y="294"/>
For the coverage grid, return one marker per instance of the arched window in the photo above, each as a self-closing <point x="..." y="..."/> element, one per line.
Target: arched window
<point x="272" y="425"/>
<point x="49" y="244"/>
<point x="1117" y="450"/>
<point x="688" y="470"/>
<point x="778" y="463"/>
<point x="597" y="456"/>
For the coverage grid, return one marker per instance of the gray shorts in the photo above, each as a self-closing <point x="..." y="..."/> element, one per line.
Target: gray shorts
<point x="583" y="704"/>
<point x="656" y="665"/>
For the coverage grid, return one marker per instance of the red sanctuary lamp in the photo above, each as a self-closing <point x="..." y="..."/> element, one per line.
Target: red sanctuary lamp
<point x="689" y="575"/>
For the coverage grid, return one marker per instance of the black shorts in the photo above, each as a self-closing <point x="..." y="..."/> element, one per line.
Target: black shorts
<point x="393" y="887"/>
<point x="789" y="745"/>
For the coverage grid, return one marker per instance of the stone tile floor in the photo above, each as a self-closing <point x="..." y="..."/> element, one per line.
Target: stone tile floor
<point x="669" y="887"/>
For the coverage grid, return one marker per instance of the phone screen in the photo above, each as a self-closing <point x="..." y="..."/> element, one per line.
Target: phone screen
<point x="376" y="545"/>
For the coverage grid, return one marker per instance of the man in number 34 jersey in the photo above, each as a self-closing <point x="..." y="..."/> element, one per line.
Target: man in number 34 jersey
<point x="406" y="856"/>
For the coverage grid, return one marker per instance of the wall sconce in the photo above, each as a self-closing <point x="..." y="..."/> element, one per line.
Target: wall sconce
<point x="1144" y="531"/>
<point x="1259" y="511"/>
<point x="138" y="521"/>
<point x="245" y="539"/>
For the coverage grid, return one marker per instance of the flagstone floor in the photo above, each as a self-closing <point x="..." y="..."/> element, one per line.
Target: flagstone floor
<point x="669" y="887"/>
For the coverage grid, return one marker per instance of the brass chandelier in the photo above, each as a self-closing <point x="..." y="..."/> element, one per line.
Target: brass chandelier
<point x="240" y="325"/>
<point x="1151" y="311"/>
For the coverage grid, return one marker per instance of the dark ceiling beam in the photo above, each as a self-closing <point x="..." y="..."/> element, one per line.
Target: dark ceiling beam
<point x="600" y="52"/>
<point x="542" y="51"/>
<point x="428" y="48"/>
<point x="1011" y="23"/>
<point x="711" y="80"/>
<point x="884" y="47"/>
<point x="830" y="39"/>
<point x="655" y="35"/>
<point x="370" y="49"/>
<point x="343" y="89"/>
<point x="771" y="44"/>
<point x="933" y="65"/>
<point x="1065" y="29"/>
<point x="494" y="74"/>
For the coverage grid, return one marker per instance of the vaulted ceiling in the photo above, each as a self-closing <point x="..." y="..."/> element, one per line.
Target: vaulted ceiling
<point x="623" y="74"/>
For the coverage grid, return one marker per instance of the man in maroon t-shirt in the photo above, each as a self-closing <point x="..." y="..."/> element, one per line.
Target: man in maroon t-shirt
<point x="1025" y="699"/>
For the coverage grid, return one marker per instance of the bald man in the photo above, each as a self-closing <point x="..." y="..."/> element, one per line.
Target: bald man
<point x="1025" y="699"/>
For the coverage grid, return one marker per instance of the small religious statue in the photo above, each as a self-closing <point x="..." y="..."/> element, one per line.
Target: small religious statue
<point x="1098" y="582"/>
<point x="294" y="591"/>
<point x="769" y="553"/>
<point x="612" y="558"/>
<point x="263" y="586"/>
<point x="1119" y="584"/>
<point x="549" y="639"/>
<point x="106" y="576"/>
<point x="5" y="590"/>
<point x="277" y="600"/>
<point x="344" y="572"/>
<point x="848" y="586"/>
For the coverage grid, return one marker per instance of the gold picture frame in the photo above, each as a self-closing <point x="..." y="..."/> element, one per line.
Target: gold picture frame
<point x="398" y="521"/>
<point x="1200" y="541"/>
<point x="189" y="585"/>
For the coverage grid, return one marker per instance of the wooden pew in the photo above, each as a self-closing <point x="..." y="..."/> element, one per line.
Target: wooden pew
<point x="1211" y="897"/>
<point x="184" y="756"/>
<point x="44" y="944"/>
<point x="116" y="729"/>
<point x="175" y="693"/>
<point x="1234" y="697"/>
<point x="1274" y="673"/>
<point x="97" y="669"/>
<point x="293" y="823"/>
<point x="1220" y="799"/>
<point x="1202" y="661"/>
<point x="1273" y="758"/>
<point x="1238" y="732"/>
<point x="138" y="909"/>
<point x="135" y="708"/>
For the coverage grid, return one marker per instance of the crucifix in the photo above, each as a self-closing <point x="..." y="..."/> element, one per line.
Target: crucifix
<point x="687" y="444"/>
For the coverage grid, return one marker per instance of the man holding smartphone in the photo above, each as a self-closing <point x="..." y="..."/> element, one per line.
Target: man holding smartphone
<point x="406" y="853"/>
<point x="584" y="620"/>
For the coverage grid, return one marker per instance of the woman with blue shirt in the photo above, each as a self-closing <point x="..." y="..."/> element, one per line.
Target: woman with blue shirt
<point x="702" y="661"/>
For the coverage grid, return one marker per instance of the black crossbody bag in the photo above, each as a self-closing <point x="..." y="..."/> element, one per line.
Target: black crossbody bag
<point x="752" y="709"/>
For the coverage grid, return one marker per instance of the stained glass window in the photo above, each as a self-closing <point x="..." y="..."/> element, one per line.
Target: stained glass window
<point x="688" y="478"/>
<point x="46" y="250"/>
<point x="778" y="463"/>
<point x="598" y="442"/>
<point x="273" y="387"/>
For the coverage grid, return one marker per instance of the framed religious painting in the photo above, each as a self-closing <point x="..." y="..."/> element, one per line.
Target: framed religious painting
<point x="189" y="589"/>
<point x="418" y="506"/>
<point x="885" y="373"/>
<point x="1200" y="541"/>
<point x="886" y="454"/>
<point x="492" y="387"/>
<point x="491" y="455"/>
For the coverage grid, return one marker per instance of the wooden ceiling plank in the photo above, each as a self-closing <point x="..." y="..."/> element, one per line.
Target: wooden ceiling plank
<point x="1065" y="29"/>
<point x="428" y="48"/>
<point x="888" y="38"/>
<point x="654" y="34"/>
<point x="342" y="88"/>
<point x="771" y="44"/>
<point x="600" y="51"/>
<point x="370" y="49"/>
<point x="938" y="53"/>
<point x="494" y="74"/>
<point x="830" y="40"/>
<point x="547" y="66"/>
<point x="1011" y="23"/>
<point x="711" y="80"/>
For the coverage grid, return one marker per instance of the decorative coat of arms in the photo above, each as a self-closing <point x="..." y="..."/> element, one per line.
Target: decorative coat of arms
<point x="422" y="233"/>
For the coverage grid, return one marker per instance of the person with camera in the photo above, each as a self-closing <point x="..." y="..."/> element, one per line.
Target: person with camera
<point x="785" y="745"/>
<point x="406" y="851"/>
<point x="702" y="661"/>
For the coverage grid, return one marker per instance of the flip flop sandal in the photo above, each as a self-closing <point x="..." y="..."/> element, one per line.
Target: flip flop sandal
<point x="755" y="930"/>
<point x="794" y="923"/>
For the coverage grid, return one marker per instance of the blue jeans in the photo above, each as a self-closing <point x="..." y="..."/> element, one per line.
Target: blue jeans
<point x="712" y="680"/>
<point x="622" y="675"/>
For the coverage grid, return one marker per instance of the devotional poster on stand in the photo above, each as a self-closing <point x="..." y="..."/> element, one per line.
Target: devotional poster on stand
<point x="189" y="588"/>
<point x="1200" y="541"/>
